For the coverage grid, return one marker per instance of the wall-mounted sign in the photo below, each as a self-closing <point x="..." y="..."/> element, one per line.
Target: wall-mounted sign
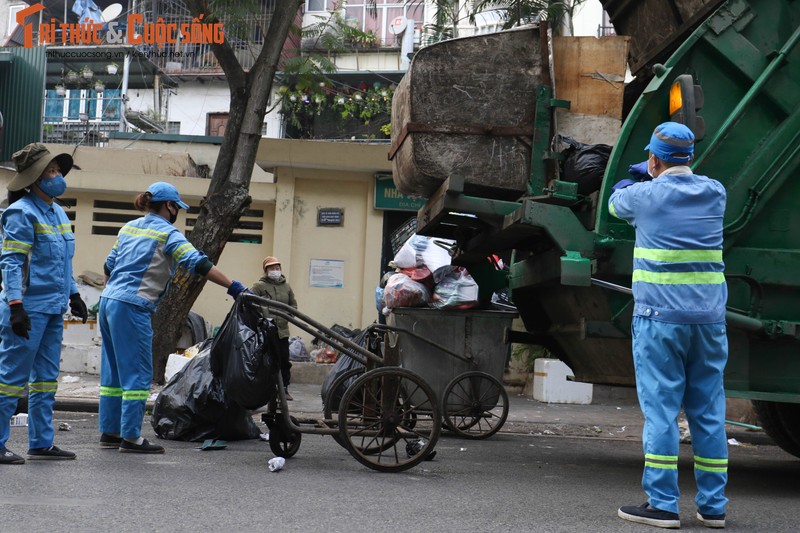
<point x="330" y="216"/>
<point x="328" y="273"/>
<point x="389" y="198"/>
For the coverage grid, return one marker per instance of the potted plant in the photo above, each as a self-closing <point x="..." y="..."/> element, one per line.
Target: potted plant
<point x="98" y="86"/>
<point x="112" y="68"/>
<point x="86" y="72"/>
<point x="60" y="89"/>
<point x="110" y="111"/>
<point x="71" y="76"/>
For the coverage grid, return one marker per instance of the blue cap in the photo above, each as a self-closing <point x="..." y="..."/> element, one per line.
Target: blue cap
<point x="670" y="139"/>
<point x="165" y="192"/>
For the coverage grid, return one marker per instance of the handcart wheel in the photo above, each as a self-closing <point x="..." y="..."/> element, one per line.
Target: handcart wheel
<point x="389" y="419"/>
<point x="475" y="405"/>
<point x="337" y="390"/>
<point x="284" y="441"/>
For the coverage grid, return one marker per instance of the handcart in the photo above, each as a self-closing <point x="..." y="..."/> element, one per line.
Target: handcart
<point x="388" y="418"/>
<point x="462" y="355"/>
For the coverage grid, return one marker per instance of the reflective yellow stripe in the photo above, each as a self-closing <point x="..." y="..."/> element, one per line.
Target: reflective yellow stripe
<point x="720" y="469"/>
<point x="43" y="386"/>
<point x="64" y="228"/>
<point x="135" y="395"/>
<point x="679" y="278"/>
<point x="710" y="465"/>
<point x="17" y="246"/>
<point x="40" y="228"/>
<point x="678" y="256"/>
<point x="110" y="391"/>
<point x="661" y="457"/>
<point x="12" y="390"/>
<point x="182" y="250"/>
<point x="612" y="211"/>
<point x="664" y="462"/>
<point x="146" y="233"/>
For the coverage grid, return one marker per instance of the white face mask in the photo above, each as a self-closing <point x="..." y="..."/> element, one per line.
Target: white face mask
<point x="274" y="274"/>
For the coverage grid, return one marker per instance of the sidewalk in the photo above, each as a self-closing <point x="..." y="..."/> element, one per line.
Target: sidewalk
<point x="614" y="413"/>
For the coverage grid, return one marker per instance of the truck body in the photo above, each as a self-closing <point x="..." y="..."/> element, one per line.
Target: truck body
<point x="735" y="80"/>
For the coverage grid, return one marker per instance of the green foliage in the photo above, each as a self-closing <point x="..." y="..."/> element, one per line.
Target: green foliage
<point x="518" y="12"/>
<point x="302" y="102"/>
<point x="528" y="354"/>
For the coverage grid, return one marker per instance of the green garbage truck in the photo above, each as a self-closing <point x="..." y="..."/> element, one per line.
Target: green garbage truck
<point x="495" y="182"/>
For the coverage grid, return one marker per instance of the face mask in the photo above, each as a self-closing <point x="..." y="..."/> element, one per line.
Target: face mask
<point x="172" y="216"/>
<point x="53" y="187"/>
<point x="274" y="274"/>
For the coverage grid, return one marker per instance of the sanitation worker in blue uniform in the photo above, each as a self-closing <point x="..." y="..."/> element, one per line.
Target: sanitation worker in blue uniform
<point x="139" y="269"/>
<point x="679" y="342"/>
<point x="36" y="263"/>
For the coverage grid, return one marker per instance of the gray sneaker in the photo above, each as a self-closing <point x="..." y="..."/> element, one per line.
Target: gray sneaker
<point x="646" y="514"/>
<point x="7" y="457"/>
<point x="53" y="453"/>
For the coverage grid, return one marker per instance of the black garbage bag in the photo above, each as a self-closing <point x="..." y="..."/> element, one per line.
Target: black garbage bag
<point x="244" y="355"/>
<point x="192" y="406"/>
<point x="344" y="364"/>
<point x="585" y="164"/>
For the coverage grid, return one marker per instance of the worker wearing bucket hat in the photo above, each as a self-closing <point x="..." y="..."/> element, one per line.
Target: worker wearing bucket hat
<point x="680" y="346"/>
<point x="273" y="285"/>
<point x="139" y="269"/>
<point x="36" y="263"/>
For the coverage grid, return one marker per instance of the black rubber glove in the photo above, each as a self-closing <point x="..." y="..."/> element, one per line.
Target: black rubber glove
<point x="77" y="307"/>
<point x="20" y="321"/>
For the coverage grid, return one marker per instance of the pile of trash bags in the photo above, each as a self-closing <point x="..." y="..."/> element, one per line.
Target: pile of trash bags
<point x="423" y="276"/>
<point x="233" y="372"/>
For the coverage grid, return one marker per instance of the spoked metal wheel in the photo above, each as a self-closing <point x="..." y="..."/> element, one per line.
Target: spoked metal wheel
<point x="389" y="419"/>
<point x="284" y="441"/>
<point x="475" y="405"/>
<point x="335" y="393"/>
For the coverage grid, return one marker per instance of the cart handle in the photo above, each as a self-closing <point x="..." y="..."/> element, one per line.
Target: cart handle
<point x="303" y="321"/>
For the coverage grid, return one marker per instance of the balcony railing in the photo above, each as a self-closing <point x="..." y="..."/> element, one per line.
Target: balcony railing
<point x="81" y="116"/>
<point x="245" y="34"/>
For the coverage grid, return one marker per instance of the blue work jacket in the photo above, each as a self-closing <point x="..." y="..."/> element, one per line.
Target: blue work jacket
<point x="677" y="259"/>
<point x="143" y="261"/>
<point x="38" y="246"/>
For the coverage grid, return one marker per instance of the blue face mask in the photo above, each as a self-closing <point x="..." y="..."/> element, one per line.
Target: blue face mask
<point x="53" y="187"/>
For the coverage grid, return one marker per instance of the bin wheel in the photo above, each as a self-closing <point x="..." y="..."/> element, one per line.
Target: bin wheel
<point x="337" y="391"/>
<point x="389" y="419"/>
<point x="475" y="405"/>
<point x="284" y="441"/>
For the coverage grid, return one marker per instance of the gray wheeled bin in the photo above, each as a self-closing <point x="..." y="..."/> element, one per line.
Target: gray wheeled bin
<point x="477" y="336"/>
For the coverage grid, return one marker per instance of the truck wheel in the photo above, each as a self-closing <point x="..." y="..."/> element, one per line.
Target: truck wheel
<point x="781" y="421"/>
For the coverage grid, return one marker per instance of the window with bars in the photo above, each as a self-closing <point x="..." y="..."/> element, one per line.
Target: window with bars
<point x="248" y="230"/>
<point x="109" y="216"/>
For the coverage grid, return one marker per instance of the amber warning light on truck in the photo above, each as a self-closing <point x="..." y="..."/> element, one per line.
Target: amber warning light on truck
<point x="685" y="100"/>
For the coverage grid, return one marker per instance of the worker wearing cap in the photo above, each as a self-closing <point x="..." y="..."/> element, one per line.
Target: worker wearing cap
<point x="36" y="263"/>
<point x="139" y="269"/>
<point x="273" y="285"/>
<point x="680" y="346"/>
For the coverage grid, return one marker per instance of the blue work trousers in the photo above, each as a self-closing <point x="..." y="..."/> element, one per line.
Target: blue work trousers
<point x="682" y="364"/>
<point x="126" y="367"/>
<point x="33" y="361"/>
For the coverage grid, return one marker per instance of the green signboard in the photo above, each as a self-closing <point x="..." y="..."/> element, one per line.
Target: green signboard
<point x="387" y="196"/>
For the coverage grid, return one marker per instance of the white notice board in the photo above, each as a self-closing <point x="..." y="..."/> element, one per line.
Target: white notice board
<point x="327" y="273"/>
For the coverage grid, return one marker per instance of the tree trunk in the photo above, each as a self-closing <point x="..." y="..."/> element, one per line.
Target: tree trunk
<point x="227" y="196"/>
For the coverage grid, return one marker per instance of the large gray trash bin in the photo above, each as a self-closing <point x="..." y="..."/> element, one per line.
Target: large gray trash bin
<point x="475" y="334"/>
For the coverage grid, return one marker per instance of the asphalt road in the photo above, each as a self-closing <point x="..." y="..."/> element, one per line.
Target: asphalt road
<point x="506" y="483"/>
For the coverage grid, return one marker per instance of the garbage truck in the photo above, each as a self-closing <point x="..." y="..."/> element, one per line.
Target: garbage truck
<point x="479" y="137"/>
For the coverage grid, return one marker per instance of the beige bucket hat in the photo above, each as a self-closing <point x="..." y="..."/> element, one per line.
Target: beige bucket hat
<point x="31" y="162"/>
